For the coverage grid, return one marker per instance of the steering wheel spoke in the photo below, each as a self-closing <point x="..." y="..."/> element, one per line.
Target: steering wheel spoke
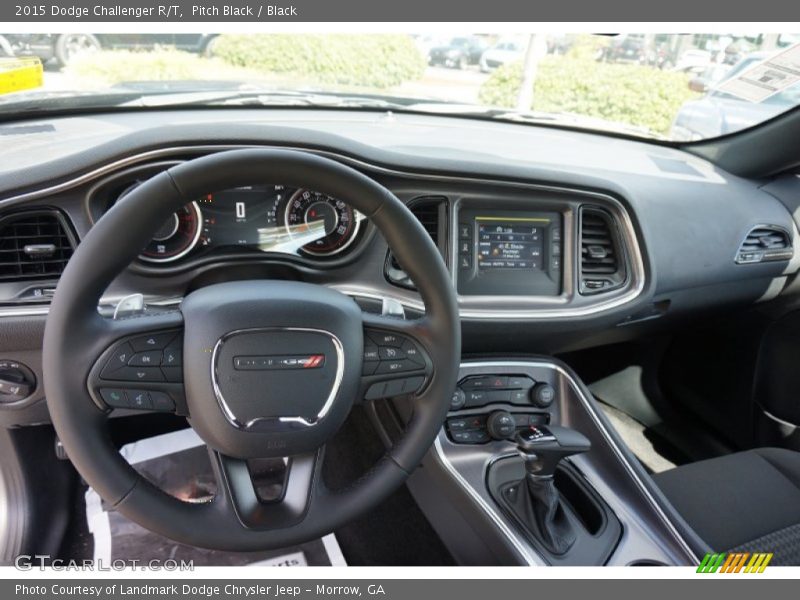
<point x="269" y="493"/>
<point x="141" y="367"/>
<point x="395" y="360"/>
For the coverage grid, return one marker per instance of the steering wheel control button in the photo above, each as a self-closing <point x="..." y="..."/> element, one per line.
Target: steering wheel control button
<point x="371" y="353"/>
<point x="162" y="402"/>
<point x="394" y="387"/>
<point x="412" y="353"/>
<point x="142" y="374"/>
<point x="156" y="341"/>
<point x="139" y="399"/>
<point x="368" y="368"/>
<point x="173" y="374"/>
<point x="381" y="338"/>
<point x="119" y="359"/>
<point x="146" y="359"/>
<point x="395" y="366"/>
<point x="542" y="395"/>
<point x="115" y="398"/>
<point x="391" y="353"/>
<point x="458" y="399"/>
<point x="173" y="354"/>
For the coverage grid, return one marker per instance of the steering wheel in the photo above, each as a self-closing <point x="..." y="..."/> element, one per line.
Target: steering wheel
<point x="268" y="369"/>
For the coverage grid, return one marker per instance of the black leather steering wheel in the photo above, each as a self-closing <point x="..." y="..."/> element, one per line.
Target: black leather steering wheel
<point x="269" y="368"/>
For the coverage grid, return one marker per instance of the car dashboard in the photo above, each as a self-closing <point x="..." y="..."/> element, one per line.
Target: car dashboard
<point x="555" y="240"/>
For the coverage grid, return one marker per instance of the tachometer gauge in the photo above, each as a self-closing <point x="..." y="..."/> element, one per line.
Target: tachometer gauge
<point x="329" y="225"/>
<point x="176" y="237"/>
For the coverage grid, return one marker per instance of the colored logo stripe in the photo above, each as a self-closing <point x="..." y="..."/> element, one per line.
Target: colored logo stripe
<point x="735" y="562"/>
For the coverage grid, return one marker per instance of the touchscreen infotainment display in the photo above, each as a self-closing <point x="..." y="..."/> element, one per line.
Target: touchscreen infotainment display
<point x="510" y="243"/>
<point x="507" y="252"/>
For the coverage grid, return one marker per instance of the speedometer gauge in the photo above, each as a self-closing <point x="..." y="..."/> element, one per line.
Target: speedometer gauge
<point x="176" y="237"/>
<point x="328" y="224"/>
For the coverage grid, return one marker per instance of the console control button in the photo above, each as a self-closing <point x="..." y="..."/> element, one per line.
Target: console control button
<point x="458" y="399"/>
<point x="475" y="436"/>
<point x="520" y="382"/>
<point x="501" y="425"/>
<point x="483" y="397"/>
<point x="543" y="394"/>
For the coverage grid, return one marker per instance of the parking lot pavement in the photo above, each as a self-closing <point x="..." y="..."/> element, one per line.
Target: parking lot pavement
<point x="446" y="84"/>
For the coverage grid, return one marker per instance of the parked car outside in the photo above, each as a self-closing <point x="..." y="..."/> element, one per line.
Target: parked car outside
<point x="459" y="53"/>
<point x="62" y="48"/>
<point x="718" y="113"/>
<point x="505" y="51"/>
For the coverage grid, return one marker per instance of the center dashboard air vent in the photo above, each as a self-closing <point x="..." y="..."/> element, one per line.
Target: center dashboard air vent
<point x="34" y="244"/>
<point x="765" y="243"/>
<point x="602" y="265"/>
<point x="431" y="212"/>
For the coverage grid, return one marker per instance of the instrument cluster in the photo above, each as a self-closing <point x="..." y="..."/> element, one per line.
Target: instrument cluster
<point x="267" y="218"/>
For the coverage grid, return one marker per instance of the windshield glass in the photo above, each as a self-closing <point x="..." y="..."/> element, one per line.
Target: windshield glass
<point x="665" y="86"/>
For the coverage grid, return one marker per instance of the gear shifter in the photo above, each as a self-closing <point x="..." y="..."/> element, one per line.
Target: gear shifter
<point x="535" y="500"/>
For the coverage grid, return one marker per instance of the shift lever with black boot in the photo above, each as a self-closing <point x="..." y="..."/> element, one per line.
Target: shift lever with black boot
<point x="535" y="500"/>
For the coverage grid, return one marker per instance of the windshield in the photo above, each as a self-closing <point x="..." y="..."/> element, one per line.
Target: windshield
<point x="678" y="87"/>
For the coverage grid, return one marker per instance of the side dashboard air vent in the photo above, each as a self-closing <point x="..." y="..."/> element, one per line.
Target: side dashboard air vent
<point x="765" y="243"/>
<point x="602" y="265"/>
<point x="34" y="244"/>
<point x="431" y="211"/>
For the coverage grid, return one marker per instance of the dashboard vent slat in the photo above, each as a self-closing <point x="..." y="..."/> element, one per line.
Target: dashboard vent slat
<point x="765" y="243"/>
<point x="34" y="245"/>
<point x="430" y="212"/>
<point x="602" y="267"/>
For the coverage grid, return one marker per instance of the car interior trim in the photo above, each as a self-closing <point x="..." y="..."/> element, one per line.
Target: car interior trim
<point x="478" y="307"/>
<point x="513" y="538"/>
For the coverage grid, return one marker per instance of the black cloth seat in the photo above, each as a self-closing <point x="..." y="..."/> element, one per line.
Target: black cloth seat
<point x="743" y="502"/>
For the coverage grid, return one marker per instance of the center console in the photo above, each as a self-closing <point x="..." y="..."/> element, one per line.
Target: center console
<point x="527" y="471"/>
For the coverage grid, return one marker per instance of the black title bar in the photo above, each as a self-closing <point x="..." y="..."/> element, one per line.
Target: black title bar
<point x="254" y="11"/>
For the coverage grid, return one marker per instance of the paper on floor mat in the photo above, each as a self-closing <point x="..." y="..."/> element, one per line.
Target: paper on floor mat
<point x="178" y="463"/>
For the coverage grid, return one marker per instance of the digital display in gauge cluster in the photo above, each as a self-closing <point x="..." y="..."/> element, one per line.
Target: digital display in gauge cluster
<point x="270" y="218"/>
